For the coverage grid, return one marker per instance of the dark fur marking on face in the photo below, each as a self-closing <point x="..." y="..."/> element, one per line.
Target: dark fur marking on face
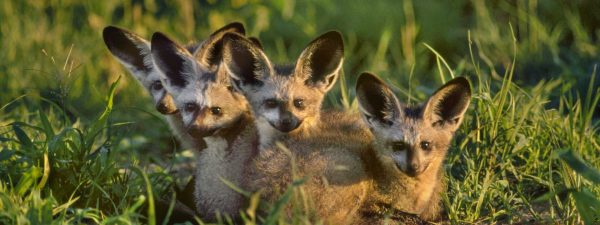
<point x="284" y="70"/>
<point x="413" y="112"/>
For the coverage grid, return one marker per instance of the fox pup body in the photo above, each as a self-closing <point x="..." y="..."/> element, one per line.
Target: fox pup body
<point x="211" y="109"/>
<point x="286" y="104"/>
<point x="285" y="100"/>
<point x="409" y="145"/>
<point x="335" y="182"/>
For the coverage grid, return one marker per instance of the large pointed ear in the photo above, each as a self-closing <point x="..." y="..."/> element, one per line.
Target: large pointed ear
<point x="256" y="42"/>
<point x="174" y="61"/>
<point x="209" y="54"/>
<point x="376" y="101"/>
<point x="245" y="63"/>
<point x="130" y="49"/>
<point x="321" y="61"/>
<point x="446" y="107"/>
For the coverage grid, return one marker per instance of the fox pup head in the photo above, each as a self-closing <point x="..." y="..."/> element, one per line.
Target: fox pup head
<point x="413" y="139"/>
<point x="201" y="90"/>
<point x="133" y="52"/>
<point x="284" y="97"/>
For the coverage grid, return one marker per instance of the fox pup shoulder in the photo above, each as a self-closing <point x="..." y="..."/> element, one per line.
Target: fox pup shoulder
<point x="334" y="179"/>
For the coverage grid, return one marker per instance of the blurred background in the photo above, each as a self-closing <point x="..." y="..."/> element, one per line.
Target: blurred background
<point x="52" y="56"/>
<point x="54" y="49"/>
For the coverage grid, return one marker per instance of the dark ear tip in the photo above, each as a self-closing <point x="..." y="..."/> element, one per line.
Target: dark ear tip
<point x="230" y="37"/>
<point x="462" y="82"/>
<point x="368" y="77"/>
<point x="111" y="34"/>
<point x="158" y="37"/>
<point x="256" y="42"/>
<point x="109" y="30"/>
<point x="235" y="27"/>
<point x="334" y="36"/>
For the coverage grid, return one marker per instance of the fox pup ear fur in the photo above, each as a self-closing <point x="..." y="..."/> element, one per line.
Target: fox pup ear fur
<point x="320" y="62"/>
<point x="176" y="63"/>
<point x="376" y="101"/>
<point x="209" y="54"/>
<point x="256" y="42"/>
<point x="446" y="107"/>
<point x="130" y="49"/>
<point x="244" y="61"/>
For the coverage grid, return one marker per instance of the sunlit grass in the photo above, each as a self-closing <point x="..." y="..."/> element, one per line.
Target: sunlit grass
<point x="76" y="146"/>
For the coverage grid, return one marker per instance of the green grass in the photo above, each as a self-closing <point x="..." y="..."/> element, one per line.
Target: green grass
<point x="75" y="146"/>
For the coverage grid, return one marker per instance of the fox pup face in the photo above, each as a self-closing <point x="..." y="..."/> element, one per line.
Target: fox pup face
<point x="133" y="52"/>
<point x="413" y="139"/>
<point x="201" y="90"/>
<point x="284" y="97"/>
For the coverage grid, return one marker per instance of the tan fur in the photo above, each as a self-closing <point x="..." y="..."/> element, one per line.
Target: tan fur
<point x="225" y="158"/>
<point x="214" y="111"/>
<point x="336" y="182"/>
<point x="419" y="194"/>
<point x="406" y="173"/>
<point x="285" y="100"/>
<point x="178" y="129"/>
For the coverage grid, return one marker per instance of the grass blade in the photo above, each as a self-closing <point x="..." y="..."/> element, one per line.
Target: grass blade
<point x="22" y="137"/>
<point x="577" y="164"/>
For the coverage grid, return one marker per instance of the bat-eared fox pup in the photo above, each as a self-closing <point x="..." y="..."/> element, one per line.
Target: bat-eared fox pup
<point x="133" y="52"/>
<point x="286" y="100"/>
<point x="210" y="108"/>
<point x="409" y="146"/>
<point x="335" y="182"/>
<point x="286" y="103"/>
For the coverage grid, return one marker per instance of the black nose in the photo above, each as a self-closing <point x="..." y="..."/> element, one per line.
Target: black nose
<point x="287" y="125"/>
<point x="162" y="108"/>
<point x="414" y="169"/>
<point x="414" y="166"/>
<point x="286" y="122"/>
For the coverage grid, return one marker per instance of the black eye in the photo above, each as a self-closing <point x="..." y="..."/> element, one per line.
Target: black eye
<point x="216" y="111"/>
<point x="299" y="103"/>
<point x="157" y="85"/>
<point x="399" y="146"/>
<point x="271" y="103"/>
<point x="426" y="145"/>
<point x="190" y="107"/>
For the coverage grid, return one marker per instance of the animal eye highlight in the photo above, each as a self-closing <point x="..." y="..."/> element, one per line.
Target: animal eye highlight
<point x="271" y="103"/>
<point x="157" y="85"/>
<point x="426" y="145"/>
<point x="399" y="146"/>
<point x="190" y="107"/>
<point x="299" y="103"/>
<point x="216" y="111"/>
